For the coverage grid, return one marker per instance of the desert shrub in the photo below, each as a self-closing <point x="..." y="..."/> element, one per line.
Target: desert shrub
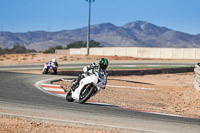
<point x="80" y="44"/>
<point x="33" y="55"/>
<point x="17" y="49"/>
<point x="59" y="47"/>
<point x="24" y="58"/>
<point x="1" y="51"/>
<point x="52" y="49"/>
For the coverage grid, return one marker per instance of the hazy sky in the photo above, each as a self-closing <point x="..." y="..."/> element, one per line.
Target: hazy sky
<point x="55" y="15"/>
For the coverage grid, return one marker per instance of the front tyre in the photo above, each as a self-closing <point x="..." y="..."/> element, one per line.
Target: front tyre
<point x="69" y="96"/>
<point x="46" y="71"/>
<point x="86" y="93"/>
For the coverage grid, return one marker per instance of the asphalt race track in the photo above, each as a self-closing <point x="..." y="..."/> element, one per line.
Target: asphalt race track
<point x="19" y="97"/>
<point x="81" y="65"/>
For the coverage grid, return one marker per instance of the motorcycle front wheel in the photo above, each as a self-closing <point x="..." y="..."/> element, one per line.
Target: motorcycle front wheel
<point x="69" y="96"/>
<point x="46" y="71"/>
<point x="86" y="93"/>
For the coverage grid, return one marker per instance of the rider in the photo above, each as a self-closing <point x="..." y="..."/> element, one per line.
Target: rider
<point x="94" y="67"/>
<point x="54" y="65"/>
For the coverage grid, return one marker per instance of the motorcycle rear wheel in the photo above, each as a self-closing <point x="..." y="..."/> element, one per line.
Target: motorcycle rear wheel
<point x="86" y="93"/>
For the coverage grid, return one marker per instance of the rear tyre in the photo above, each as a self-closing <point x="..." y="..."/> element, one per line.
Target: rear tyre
<point x="55" y="72"/>
<point x="86" y="93"/>
<point x="69" y="96"/>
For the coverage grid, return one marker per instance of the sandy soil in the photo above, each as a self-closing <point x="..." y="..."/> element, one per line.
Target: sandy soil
<point x="13" y="59"/>
<point x="16" y="125"/>
<point x="17" y="59"/>
<point x="172" y="93"/>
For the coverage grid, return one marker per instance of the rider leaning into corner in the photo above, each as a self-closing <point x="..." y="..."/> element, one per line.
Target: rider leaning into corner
<point x="54" y="65"/>
<point x="94" y="67"/>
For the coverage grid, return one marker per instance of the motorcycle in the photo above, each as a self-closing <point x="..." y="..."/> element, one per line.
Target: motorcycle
<point x="49" y="68"/>
<point x="88" y="86"/>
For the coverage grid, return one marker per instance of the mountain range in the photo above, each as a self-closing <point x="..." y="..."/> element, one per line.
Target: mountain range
<point x="134" y="34"/>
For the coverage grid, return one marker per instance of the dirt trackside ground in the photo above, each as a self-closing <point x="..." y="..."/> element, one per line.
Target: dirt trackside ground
<point x="16" y="59"/>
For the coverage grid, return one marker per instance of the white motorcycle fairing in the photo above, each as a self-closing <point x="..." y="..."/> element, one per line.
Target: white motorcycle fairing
<point x="92" y="79"/>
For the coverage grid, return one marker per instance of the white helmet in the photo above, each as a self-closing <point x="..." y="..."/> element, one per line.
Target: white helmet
<point x="53" y="60"/>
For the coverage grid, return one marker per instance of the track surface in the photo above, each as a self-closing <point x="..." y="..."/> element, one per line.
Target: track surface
<point x="81" y="65"/>
<point x="18" y="95"/>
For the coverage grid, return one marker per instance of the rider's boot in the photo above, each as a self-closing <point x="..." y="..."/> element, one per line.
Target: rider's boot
<point x="75" y="82"/>
<point x="73" y="86"/>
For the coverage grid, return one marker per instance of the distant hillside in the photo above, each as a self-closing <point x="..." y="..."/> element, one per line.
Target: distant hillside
<point x="138" y="33"/>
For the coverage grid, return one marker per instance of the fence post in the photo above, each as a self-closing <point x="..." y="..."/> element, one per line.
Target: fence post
<point x="197" y="77"/>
